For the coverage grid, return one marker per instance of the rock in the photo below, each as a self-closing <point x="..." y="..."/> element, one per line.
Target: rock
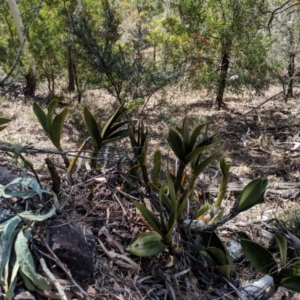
<point x="73" y="243"/>
<point x="235" y="250"/>
<point x="261" y="289"/>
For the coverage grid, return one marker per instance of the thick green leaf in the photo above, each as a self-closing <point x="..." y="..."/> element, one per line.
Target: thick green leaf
<point x="186" y="134"/>
<point x="291" y="283"/>
<point x="31" y="216"/>
<point x="264" y="262"/>
<point x="226" y="270"/>
<point x="26" y="262"/>
<point x="195" y="135"/>
<point x="149" y="216"/>
<point x="111" y="121"/>
<point x="165" y="198"/>
<point x="92" y="127"/>
<point x="2" y="128"/>
<point x="282" y="245"/>
<point x="6" y="240"/>
<point x="57" y="127"/>
<point x="27" y="281"/>
<point x="147" y="244"/>
<point x="4" y="121"/>
<point x="35" y="188"/>
<point x="163" y="225"/>
<point x="157" y="167"/>
<point x="170" y="226"/>
<point x="41" y="116"/>
<point x="252" y="194"/>
<point x="182" y="204"/>
<point x="171" y="188"/>
<point x="202" y="210"/>
<point x="197" y="151"/>
<point x="291" y="270"/>
<point x="176" y="144"/>
<point x="114" y="137"/>
<point x="218" y="254"/>
<point x="115" y="127"/>
<point x="51" y="108"/>
<point x="205" y="163"/>
<point x="9" y="293"/>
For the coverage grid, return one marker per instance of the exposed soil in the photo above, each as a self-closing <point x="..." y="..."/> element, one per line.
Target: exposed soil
<point x="263" y="143"/>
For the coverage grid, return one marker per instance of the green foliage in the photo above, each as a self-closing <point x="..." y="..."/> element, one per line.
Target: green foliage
<point x="34" y="189"/>
<point x="252" y="194"/>
<point x="285" y="275"/>
<point x="52" y="126"/>
<point x="147" y="244"/>
<point x="3" y="121"/>
<point x="13" y="238"/>
<point x="139" y="139"/>
<point x="110" y="132"/>
<point x="217" y="251"/>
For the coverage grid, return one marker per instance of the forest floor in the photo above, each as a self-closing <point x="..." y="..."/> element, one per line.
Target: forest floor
<point x="265" y="142"/>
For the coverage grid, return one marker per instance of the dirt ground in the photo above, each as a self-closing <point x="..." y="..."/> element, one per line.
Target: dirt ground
<point x="264" y="143"/>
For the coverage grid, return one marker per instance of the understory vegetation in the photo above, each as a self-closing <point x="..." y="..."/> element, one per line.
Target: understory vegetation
<point x="169" y="221"/>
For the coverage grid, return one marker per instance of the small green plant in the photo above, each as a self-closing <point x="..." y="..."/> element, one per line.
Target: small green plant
<point x="3" y="121"/>
<point x="221" y="259"/>
<point x="161" y="226"/>
<point x="189" y="150"/>
<point x="13" y="238"/>
<point x="139" y="139"/>
<point x="52" y="126"/>
<point x="285" y="274"/>
<point x="110" y="132"/>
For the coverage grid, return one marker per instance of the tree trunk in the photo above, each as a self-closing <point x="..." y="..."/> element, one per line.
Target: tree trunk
<point x="71" y="69"/>
<point x="291" y="72"/>
<point x="222" y="79"/>
<point x="30" y="77"/>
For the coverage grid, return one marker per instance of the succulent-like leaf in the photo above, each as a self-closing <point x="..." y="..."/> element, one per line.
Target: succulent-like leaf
<point x="264" y="262"/>
<point x="157" y="167"/>
<point x="114" y="137"/>
<point x="27" y="281"/>
<point x="9" y="293"/>
<point x="202" y="210"/>
<point x="252" y="194"/>
<point x="186" y="134"/>
<point x="149" y="216"/>
<point x="182" y="204"/>
<point x="290" y="271"/>
<point x="171" y="225"/>
<point x="35" y="189"/>
<point x="31" y="216"/>
<point x="106" y="128"/>
<point x="282" y="245"/>
<point x="116" y="127"/>
<point x="291" y="283"/>
<point x="218" y="254"/>
<point x="205" y="163"/>
<point x="176" y="144"/>
<point x="197" y="151"/>
<point x="51" y="108"/>
<point x="57" y="127"/>
<point x="171" y="188"/>
<point x="41" y="116"/>
<point x="195" y="135"/>
<point x="92" y="127"/>
<point x="147" y="244"/>
<point x="165" y="198"/>
<point x="26" y="262"/>
<point x="2" y="122"/>
<point x="226" y="270"/>
<point x="6" y="240"/>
